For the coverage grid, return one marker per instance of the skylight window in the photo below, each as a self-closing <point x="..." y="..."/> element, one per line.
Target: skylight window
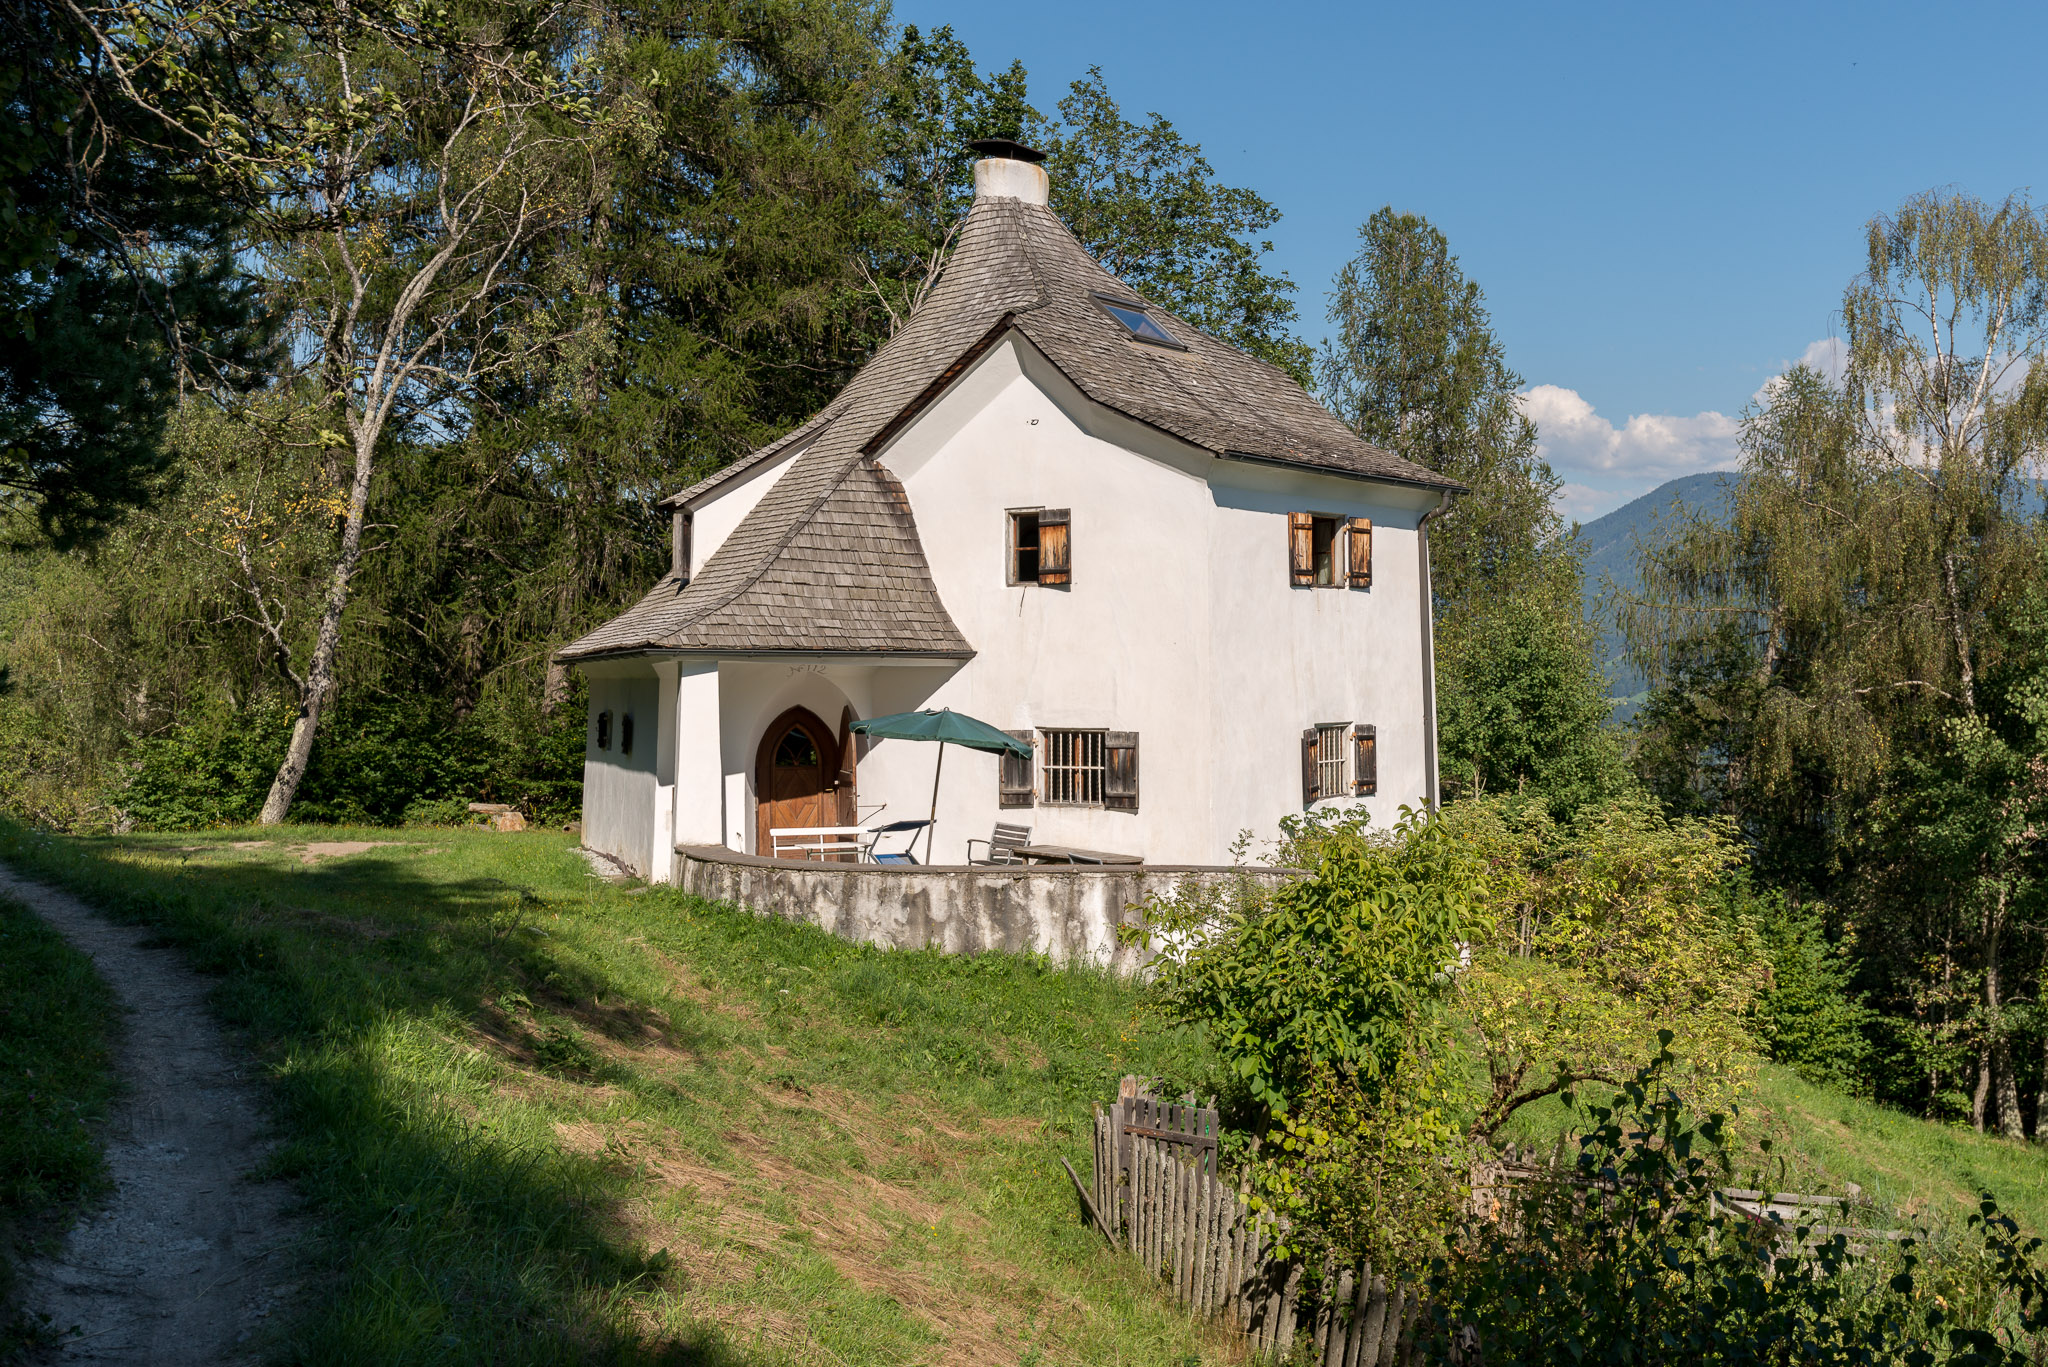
<point x="1139" y="323"/>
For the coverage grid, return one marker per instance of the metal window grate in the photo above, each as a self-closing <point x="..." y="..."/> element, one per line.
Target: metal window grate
<point x="1073" y="765"/>
<point x="1333" y="778"/>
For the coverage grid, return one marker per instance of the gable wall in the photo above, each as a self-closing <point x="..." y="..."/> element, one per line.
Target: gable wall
<point x="713" y="520"/>
<point x="1180" y="623"/>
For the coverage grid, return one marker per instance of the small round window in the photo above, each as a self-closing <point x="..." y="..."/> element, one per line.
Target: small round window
<point x="796" y="751"/>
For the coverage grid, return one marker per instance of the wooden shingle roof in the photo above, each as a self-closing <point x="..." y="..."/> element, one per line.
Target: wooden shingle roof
<point x="829" y="560"/>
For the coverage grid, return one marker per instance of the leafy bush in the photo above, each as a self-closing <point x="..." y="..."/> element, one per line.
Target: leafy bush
<point x="1628" y="1259"/>
<point x="1597" y="933"/>
<point x="379" y="761"/>
<point x="1346" y="968"/>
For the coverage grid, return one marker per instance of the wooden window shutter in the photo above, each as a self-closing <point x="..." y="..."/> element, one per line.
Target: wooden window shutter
<point x="1019" y="784"/>
<point x="1120" y="771"/>
<point x="1055" y="554"/>
<point x="845" y="782"/>
<point x="1301" y="548"/>
<point x="1311" y="787"/>
<point x="1361" y="553"/>
<point x="679" y="545"/>
<point x="1365" y="760"/>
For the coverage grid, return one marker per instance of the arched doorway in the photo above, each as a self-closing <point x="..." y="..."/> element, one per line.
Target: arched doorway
<point x="796" y="776"/>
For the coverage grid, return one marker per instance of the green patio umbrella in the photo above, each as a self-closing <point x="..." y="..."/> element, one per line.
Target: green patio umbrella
<point x="946" y="727"/>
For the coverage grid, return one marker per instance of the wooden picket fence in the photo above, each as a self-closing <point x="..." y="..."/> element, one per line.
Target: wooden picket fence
<point x="1156" y="1195"/>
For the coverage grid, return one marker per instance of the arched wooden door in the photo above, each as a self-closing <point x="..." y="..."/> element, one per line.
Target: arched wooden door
<point x="796" y="776"/>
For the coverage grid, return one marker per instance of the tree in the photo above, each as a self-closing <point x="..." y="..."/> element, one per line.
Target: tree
<point x="1145" y="203"/>
<point x="1821" y="658"/>
<point x="117" y="290"/>
<point x="1415" y="367"/>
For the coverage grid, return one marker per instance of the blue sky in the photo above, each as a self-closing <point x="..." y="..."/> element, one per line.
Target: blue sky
<point x="1662" y="202"/>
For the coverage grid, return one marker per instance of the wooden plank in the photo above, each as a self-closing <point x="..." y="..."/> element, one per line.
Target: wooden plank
<point x="1169" y="1252"/>
<point x="1087" y="1204"/>
<point x="1326" y="1304"/>
<point x="1248" y="1302"/>
<point x="1390" y="1336"/>
<point x="1354" y="1345"/>
<point x="1339" y="1341"/>
<point x="1290" y="1299"/>
<point x="1172" y="1136"/>
<point x="1205" y="1251"/>
<point x="1375" y="1325"/>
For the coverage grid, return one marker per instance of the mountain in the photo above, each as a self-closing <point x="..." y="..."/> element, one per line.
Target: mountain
<point x="1610" y="543"/>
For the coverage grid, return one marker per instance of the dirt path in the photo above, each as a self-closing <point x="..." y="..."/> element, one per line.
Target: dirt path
<point x="187" y="1257"/>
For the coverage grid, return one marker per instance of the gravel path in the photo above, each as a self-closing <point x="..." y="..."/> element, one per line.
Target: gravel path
<point x="188" y="1256"/>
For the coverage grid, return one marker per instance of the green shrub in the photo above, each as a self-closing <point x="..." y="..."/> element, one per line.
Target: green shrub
<point x="376" y="762"/>
<point x="1806" y="1017"/>
<point x="1627" y="1258"/>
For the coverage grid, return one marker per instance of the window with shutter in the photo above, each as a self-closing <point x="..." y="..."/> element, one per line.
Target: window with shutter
<point x="1024" y="547"/>
<point x="1018" y="783"/>
<point x="679" y="545"/>
<point x="604" y="729"/>
<point x="1055" y="550"/>
<point x="1120" y="776"/>
<point x="1361" y="553"/>
<point x="1333" y="773"/>
<point x="1365" y="761"/>
<point x="1311" y="776"/>
<point x="1301" y="548"/>
<point x="626" y="734"/>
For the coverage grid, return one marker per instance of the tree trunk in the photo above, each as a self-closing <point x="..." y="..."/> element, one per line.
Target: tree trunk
<point x="1980" y="1101"/>
<point x="2006" y="1084"/>
<point x="2041" y="1096"/>
<point x="320" y="682"/>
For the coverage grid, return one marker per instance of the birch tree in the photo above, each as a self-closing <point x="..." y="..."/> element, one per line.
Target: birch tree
<point x="1822" y="656"/>
<point x="399" y="163"/>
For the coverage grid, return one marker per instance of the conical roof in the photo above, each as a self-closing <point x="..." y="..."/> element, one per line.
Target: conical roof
<point x="829" y="560"/>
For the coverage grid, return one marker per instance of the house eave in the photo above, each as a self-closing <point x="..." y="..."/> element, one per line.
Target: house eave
<point x="848" y="657"/>
<point x="1441" y="486"/>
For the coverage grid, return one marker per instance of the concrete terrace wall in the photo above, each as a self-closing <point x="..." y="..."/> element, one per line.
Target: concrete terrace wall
<point x="1068" y="913"/>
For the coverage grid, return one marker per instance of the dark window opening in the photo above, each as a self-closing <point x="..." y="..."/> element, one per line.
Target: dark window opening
<point x="604" y="730"/>
<point x="1023" y="548"/>
<point x="1323" y="536"/>
<point x="1139" y="324"/>
<point x="796" y="750"/>
<point x="626" y="734"/>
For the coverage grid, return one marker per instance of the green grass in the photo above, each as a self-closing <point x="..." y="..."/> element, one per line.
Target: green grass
<point x="56" y="1078"/>
<point x="540" y="1118"/>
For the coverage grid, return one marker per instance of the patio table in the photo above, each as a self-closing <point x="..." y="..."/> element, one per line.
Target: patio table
<point x="1064" y="854"/>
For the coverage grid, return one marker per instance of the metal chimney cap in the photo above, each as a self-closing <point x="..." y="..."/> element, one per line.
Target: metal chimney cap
<point x="1006" y="148"/>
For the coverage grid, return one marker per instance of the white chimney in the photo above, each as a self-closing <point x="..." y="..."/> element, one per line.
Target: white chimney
<point x="1009" y="170"/>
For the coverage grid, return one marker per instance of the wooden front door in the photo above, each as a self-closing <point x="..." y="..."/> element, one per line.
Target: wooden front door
<point x="796" y="778"/>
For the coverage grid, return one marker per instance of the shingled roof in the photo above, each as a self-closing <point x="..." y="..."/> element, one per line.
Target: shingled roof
<point x="829" y="560"/>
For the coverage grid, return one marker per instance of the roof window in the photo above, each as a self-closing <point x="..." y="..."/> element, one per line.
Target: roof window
<point x="1139" y="323"/>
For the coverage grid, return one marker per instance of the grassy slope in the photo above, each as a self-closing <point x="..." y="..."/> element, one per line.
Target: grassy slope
<point x="56" y="1078"/>
<point x="546" y="1119"/>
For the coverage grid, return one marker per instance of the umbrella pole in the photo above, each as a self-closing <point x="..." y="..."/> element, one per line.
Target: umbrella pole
<point x="931" y="826"/>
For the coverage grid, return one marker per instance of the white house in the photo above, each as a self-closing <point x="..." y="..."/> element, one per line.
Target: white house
<point x="1049" y="504"/>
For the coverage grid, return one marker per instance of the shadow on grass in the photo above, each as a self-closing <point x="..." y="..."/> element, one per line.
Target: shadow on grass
<point x="442" y="1238"/>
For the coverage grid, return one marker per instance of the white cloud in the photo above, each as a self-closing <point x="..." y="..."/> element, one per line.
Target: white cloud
<point x="1604" y="465"/>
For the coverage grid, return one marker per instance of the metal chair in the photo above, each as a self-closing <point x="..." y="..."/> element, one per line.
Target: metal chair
<point x="1002" y="845"/>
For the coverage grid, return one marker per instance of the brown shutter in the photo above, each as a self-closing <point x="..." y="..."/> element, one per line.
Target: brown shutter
<point x="1055" y="556"/>
<point x="846" y="783"/>
<point x="1120" y="770"/>
<point x="1019" y="784"/>
<point x="1310" y="790"/>
<point x="1365" y="760"/>
<point x="1301" y="548"/>
<point x="1361" y="553"/>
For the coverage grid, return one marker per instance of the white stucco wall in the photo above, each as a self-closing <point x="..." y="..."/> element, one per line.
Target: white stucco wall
<point x="1180" y="624"/>
<point x="713" y="516"/>
<point x="619" y="789"/>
